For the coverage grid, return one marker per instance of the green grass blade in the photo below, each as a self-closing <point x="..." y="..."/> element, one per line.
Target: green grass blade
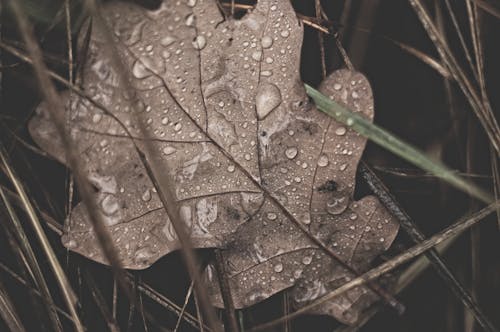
<point x="394" y="144"/>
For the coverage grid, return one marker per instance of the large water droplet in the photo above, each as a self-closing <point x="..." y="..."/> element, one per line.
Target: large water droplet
<point x="340" y="131"/>
<point x="337" y="205"/>
<point x="146" y="195"/>
<point x="307" y="260"/>
<point x="168" y="150"/>
<point x="96" y="117"/>
<point x="271" y="216"/>
<point x="178" y="127"/>
<point x="266" y="42"/>
<point x="267" y="99"/>
<point x="110" y="205"/>
<point x="190" y="20"/>
<point x="199" y="42"/>
<point x="291" y="153"/>
<point x="140" y="71"/>
<point x="257" y="55"/>
<point x="278" y="268"/>
<point x="167" y="41"/>
<point x="323" y="160"/>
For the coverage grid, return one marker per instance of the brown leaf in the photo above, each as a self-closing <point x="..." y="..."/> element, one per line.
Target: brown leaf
<point x="205" y="84"/>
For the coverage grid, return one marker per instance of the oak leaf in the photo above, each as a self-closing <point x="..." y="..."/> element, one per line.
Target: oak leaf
<point x="205" y="84"/>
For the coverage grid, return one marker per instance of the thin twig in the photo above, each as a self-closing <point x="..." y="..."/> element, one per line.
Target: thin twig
<point x="183" y="309"/>
<point x="461" y="225"/>
<point x="226" y="291"/>
<point x="160" y="179"/>
<point x="483" y="111"/>
<point x="383" y="194"/>
<point x="67" y="291"/>
<point x="321" y="40"/>
<point x="27" y="256"/>
<point x="56" y="111"/>
<point x="377" y="289"/>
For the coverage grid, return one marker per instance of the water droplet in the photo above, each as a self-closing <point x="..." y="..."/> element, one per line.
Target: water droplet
<point x="297" y="274"/>
<point x="278" y="268"/>
<point x="178" y="127"/>
<point x="350" y="121"/>
<point x="167" y="41"/>
<point x="96" y="117"/>
<point x="165" y="54"/>
<point x="337" y="205"/>
<point x="199" y="42"/>
<point x="291" y="153"/>
<point x="343" y="167"/>
<point x="189" y="20"/>
<point x="71" y="244"/>
<point x="231" y="168"/>
<point x="110" y="205"/>
<point x="307" y="260"/>
<point x="337" y="86"/>
<point x="191" y="3"/>
<point x="381" y="239"/>
<point x="266" y="42"/>
<point x="353" y="216"/>
<point x="272" y="216"/>
<point x="285" y="33"/>
<point x="168" y="150"/>
<point x="305" y="219"/>
<point x="164" y="121"/>
<point x="146" y="195"/>
<point x="355" y="95"/>
<point x="267" y="99"/>
<point x="340" y="131"/>
<point x="323" y="160"/>
<point x="140" y="71"/>
<point x="257" y="55"/>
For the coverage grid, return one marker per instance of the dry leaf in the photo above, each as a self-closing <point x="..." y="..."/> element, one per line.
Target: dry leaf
<point x="202" y="80"/>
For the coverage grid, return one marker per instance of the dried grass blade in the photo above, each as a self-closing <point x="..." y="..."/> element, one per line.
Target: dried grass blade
<point x="30" y="261"/>
<point x="160" y="178"/>
<point x="483" y="111"/>
<point x="458" y="227"/>
<point x="57" y="115"/>
<point x="8" y="311"/>
<point x="61" y="278"/>
<point x="432" y="255"/>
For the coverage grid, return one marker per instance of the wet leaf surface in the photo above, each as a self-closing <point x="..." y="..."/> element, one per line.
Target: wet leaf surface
<point x="205" y="83"/>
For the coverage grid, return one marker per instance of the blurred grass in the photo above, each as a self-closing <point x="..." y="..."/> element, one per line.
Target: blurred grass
<point x="425" y="120"/>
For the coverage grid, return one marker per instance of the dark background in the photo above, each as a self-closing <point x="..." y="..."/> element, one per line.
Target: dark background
<point x="411" y="101"/>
